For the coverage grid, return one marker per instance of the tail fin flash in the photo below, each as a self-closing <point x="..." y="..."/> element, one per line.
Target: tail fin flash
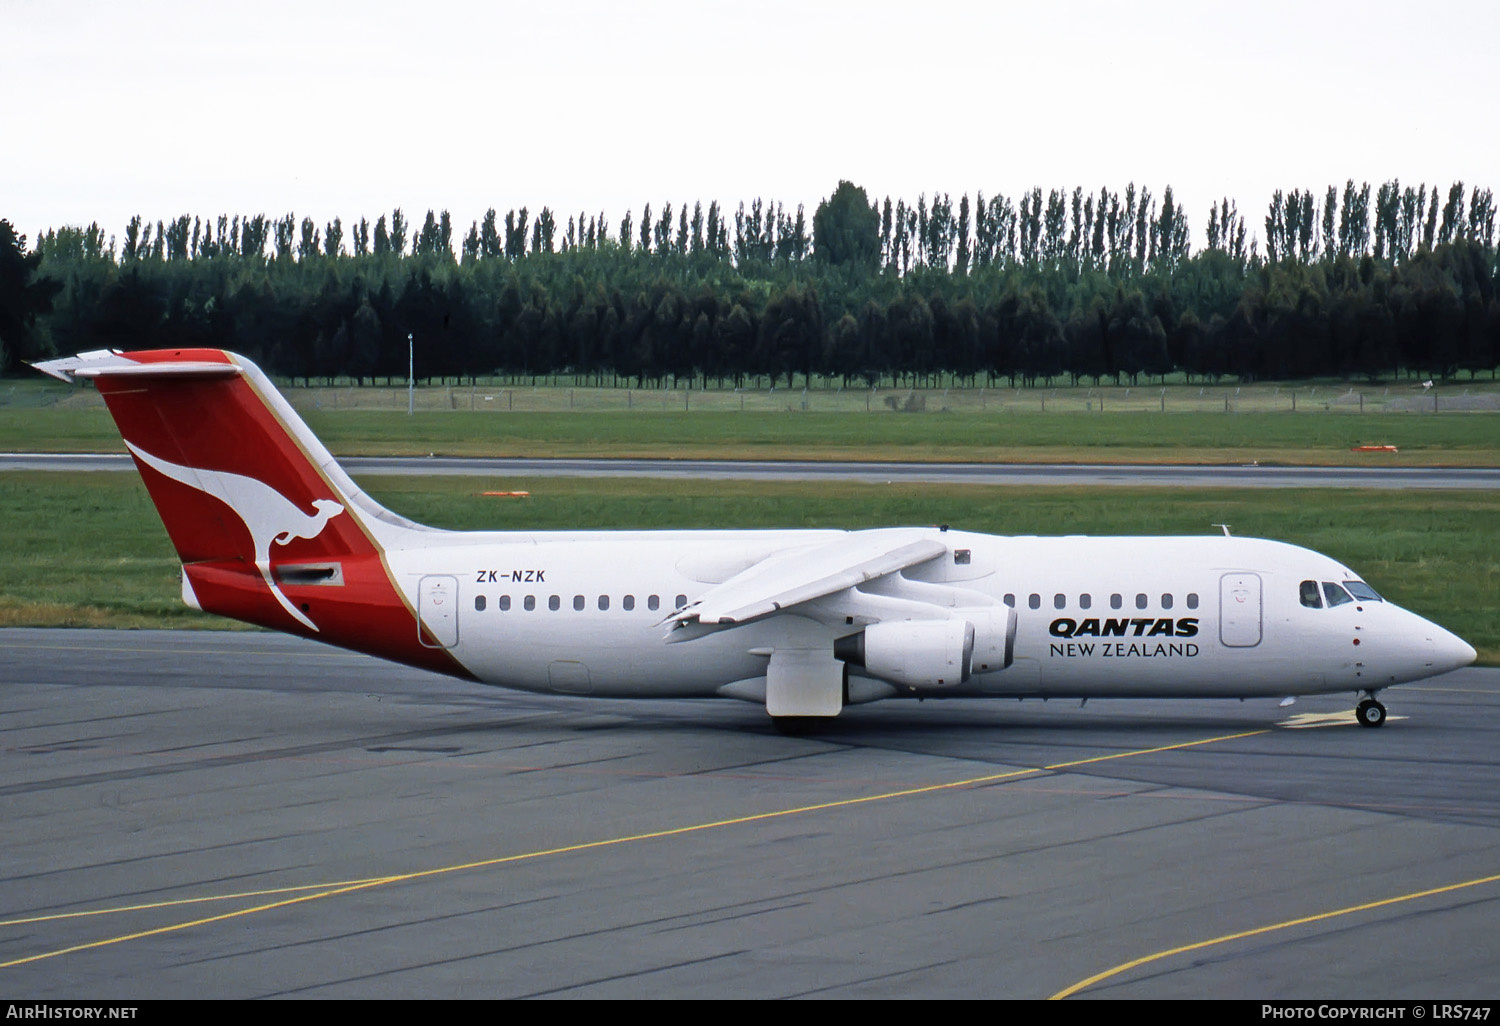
<point x="269" y="516"/>
<point x="268" y="527"/>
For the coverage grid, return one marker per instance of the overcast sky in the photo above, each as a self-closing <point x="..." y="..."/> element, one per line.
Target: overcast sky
<point x="325" y="109"/>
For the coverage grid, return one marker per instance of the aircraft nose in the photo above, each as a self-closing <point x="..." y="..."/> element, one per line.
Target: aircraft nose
<point x="1450" y="652"/>
<point x="1425" y="649"/>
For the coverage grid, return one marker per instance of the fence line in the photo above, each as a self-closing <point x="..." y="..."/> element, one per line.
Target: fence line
<point x="987" y="401"/>
<point x="998" y="401"/>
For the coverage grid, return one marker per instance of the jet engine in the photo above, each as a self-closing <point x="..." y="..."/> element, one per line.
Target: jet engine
<point x="917" y="653"/>
<point x="934" y="653"/>
<point x="994" y="637"/>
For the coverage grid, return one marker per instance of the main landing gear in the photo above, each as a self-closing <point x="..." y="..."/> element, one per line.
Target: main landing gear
<point x="1370" y="713"/>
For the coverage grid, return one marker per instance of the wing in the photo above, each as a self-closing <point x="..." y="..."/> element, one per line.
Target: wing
<point x="802" y="575"/>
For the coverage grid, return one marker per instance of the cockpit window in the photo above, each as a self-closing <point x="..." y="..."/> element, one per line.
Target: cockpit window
<point x="1310" y="597"/>
<point x="1362" y="591"/>
<point x="1336" y="596"/>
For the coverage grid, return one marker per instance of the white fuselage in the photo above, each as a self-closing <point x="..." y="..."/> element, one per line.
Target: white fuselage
<point x="1197" y="616"/>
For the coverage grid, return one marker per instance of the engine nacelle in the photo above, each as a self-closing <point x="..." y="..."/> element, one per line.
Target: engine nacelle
<point x="919" y="653"/>
<point x="994" y="637"/>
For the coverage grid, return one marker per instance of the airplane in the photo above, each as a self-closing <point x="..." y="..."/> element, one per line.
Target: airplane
<point x="272" y="531"/>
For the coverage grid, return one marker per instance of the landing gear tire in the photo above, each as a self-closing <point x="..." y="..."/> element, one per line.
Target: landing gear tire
<point x="793" y="726"/>
<point x="1370" y="713"/>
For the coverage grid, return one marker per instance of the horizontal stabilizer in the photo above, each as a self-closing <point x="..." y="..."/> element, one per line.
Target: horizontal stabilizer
<point x="104" y="361"/>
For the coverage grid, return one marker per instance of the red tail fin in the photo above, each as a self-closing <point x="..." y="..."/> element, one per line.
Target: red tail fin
<point x="269" y="529"/>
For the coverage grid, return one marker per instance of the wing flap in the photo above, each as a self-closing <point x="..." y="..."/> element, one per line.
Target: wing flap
<point x="801" y="575"/>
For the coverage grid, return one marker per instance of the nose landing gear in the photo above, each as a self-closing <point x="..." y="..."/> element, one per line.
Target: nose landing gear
<point x="1370" y="712"/>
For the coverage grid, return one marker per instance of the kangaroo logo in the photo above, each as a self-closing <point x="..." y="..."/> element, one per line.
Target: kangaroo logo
<point x="266" y="513"/>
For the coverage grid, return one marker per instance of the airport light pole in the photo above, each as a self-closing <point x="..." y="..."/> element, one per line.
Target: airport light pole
<point x="411" y="381"/>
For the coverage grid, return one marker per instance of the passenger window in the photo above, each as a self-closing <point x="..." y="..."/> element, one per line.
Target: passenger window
<point x="1059" y="602"/>
<point x="479" y="603"/>
<point x="1115" y="602"/>
<point x="628" y="602"/>
<point x="1140" y="601"/>
<point x="1035" y="601"/>
<point x="960" y="557"/>
<point x="1084" y="601"/>
<point x="603" y="602"/>
<point x="1010" y="600"/>
<point x="1335" y="595"/>
<point x="530" y="603"/>
<point x="681" y="602"/>
<point x="653" y="603"/>
<point x="504" y="603"/>
<point x="578" y="603"/>
<point x="1309" y="592"/>
<point x="1192" y="600"/>
<point x="1166" y="601"/>
<point x="554" y="603"/>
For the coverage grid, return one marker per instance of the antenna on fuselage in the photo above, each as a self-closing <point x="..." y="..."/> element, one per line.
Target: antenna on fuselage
<point x="1224" y="528"/>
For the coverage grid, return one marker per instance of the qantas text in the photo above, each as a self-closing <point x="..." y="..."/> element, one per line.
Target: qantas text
<point x="1115" y="627"/>
<point x="1137" y="627"/>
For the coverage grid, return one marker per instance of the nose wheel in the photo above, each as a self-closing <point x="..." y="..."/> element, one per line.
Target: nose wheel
<point x="1370" y="713"/>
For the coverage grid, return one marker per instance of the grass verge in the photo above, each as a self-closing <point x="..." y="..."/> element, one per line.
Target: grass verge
<point x="1143" y="437"/>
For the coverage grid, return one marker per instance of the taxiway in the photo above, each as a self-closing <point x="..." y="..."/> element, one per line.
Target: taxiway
<point x="1131" y="475"/>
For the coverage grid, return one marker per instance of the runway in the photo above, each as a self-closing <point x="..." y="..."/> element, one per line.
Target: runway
<point x="193" y="814"/>
<point x="1132" y="475"/>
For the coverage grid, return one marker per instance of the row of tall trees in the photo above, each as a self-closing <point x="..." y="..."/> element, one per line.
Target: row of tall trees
<point x="1107" y="231"/>
<point x="1114" y="231"/>
<point x="1062" y="284"/>
<point x="1405" y="222"/>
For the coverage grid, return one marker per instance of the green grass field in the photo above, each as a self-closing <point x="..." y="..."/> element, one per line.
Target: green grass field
<point x="1459" y="439"/>
<point x="88" y="550"/>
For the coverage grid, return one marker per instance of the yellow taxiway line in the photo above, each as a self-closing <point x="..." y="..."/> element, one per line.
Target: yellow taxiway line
<point x="330" y="890"/>
<point x="1257" y="931"/>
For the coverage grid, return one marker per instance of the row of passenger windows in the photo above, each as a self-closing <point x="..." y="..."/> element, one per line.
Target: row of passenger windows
<point x="1336" y="595"/>
<point x="554" y="602"/>
<point x="1116" y="601"/>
